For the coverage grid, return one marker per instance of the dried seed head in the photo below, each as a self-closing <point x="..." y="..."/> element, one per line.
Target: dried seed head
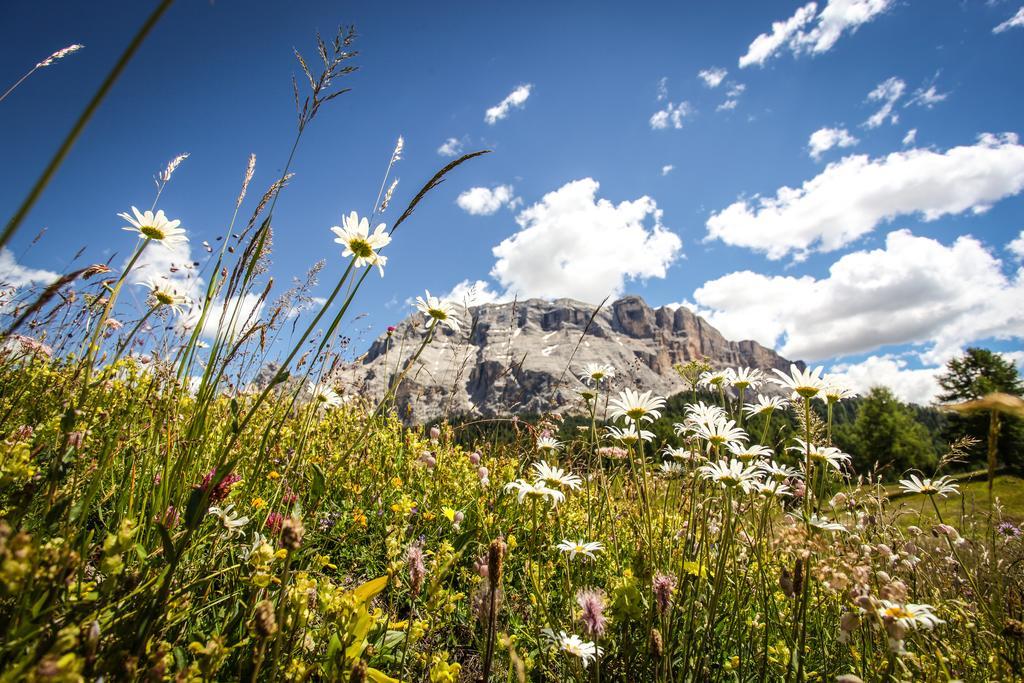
<point x="172" y="165"/>
<point x="359" y="672"/>
<point x="59" y="54"/>
<point x="264" y="622"/>
<point x="495" y="561"/>
<point x="249" y="170"/>
<point x="657" y="643"/>
<point x="291" y="533"/>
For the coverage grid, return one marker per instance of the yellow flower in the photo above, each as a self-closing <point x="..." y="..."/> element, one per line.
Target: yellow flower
<point x="449" y="513"/>
<point x="695" y="569"/>
<point x="273" y="475"/>
<point x="510" y="543"/>
<point x="359" y="518"/>
<point x="258" y="503"/>
<point x="429" y="516"/>
<point x="397" y="482"/>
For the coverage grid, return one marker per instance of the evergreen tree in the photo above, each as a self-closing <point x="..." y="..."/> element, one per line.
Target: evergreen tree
<point x="886" y="437"/>
<point x="976" y="373"/>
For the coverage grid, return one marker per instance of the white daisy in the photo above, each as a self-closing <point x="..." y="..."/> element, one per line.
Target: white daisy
<point x="833" y="457"/>
<point x="778" y="471"/>
<point x="628" y="435"/>
<point x="765" y="404"/>
<point x="438" y="311"/>
<point x="534" y="490"/>
<point x="163" y="293"/>
<point x="575" y="646"/>
<point x="548" y="443"/>
<point x="729" y="474"/>
<point x="575" y="548"/>
<point x="826" y="525"/>
<point x="714" y="379"/>
<point x="909" y="614"/>
<point x="748" y="453"/>
<point x="596" y="372"/>
<point x="721" y="432"/>
<point x="637" y="406"/>
<point x="930" y="487"/>
<point x="672" y="469"/>
<point x="805" y="383"/>
<point x="554" y="476"/>
<point x="231" y="522"/>
<point x="745" y="378"/>
<point x="324" y="395"/>
<point x="360" y="243"/>
<point x="155" y="227"/>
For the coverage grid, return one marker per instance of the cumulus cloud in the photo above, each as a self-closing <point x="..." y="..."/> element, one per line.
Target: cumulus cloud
<point x="1016" y="247"/>
<point x="573" y="244"/>
<point x="712" y="77"/>
<point x="732" y="97"/>
<point x="13" y="274"/>
<point x="485" y="201"/>
<point x="450" y="147"/>
<point x="666" y="169"/>
<point x="910" y="137"/>
<point x="671" y="115"/>
<point x="517" y="98"/>
<point x="914" y="290"/>
<point x="887" y="92"/>
<point x="825" y="139"/>
<point x="1017" y="20"/>
<point x="913" y="385"/>
<point x="849" y="198"/>
<point x="472" y="293"/>
<point x="811" y="32"/>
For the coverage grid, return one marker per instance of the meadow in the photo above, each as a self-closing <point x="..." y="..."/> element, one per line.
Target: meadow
<point x="171" y="510"/>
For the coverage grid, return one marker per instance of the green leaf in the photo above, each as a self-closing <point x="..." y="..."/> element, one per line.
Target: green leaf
<point x="165" y="539"/>
<point x="369" y="590"/>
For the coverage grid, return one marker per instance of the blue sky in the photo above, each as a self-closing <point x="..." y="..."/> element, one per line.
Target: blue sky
<point x="890" y="252"/>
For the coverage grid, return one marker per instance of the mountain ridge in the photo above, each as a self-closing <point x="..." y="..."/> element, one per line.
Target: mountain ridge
<point x="524" y="356"/>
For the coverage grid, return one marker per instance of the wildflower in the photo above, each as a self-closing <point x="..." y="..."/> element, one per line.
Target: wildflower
<point x="274" y="522"/>
<point x="777" y="471"/>
<point x="628" y="435"/>
<point x="163" y="293"/>
<point x="548" y="443"/>
<point x="534" y="491"/>
<point x="483" y="474"/>
<point x="671" y="469"/>
<point x="155" y="227"/>
<point x="930" y="487"/>
<point x="772" y="488"/>
<point x="833" y="457"/>
<point x="748" y="453"/>
<point x="231" y="522"/>
<point x="596" y="372"/>
<point x="1008" y="529"/>
<point x="714" y="378"/>
<point x="765" y="404"/>
<point x="575" y="646"/>
<point x="805" y="383"/>
<point x="435" y="434"/>
<point x="637" y="406"/>
<point x="745" y="378"/>
<point x="721" y="432"/>
<point x="592" y="603"/>
<point x="324" y="395"/>
<point x="663" y="585"/>
<point x="681" y="453"/>
<point x="438" y="311"/>
<point x="355" y="235"/>
<point x="825" y="525"/>
<point x="702" y="413"/>
<point x="555" y="476"/>
<point x="474" y="458"/>
<point x="575" y="548"/>
<point x="454" y="516"/>
<point x="909" y="614"/>
<point x="417" y="570"/>
<point x="223" y="488"/>
<point x="613" y="452"/>
<point x="834" y="392"/>
<point x="729" y="474"/>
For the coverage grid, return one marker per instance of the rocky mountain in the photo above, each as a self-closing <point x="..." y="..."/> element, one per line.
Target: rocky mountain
<point x="523" y="357"/>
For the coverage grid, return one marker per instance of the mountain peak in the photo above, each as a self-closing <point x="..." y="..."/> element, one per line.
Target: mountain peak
<point x="523" y="357"/>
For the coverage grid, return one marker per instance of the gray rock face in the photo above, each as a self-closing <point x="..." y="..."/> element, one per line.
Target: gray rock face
<point x="523" y="357"/>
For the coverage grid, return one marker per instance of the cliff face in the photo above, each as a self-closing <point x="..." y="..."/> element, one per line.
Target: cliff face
<point x="524" y="357"/>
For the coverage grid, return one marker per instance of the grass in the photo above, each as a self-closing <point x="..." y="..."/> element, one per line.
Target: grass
<point x="972" y="504"/>
<point x="187" y="495"/>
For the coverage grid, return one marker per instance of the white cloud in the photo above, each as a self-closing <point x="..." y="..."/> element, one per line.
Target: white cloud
<point x="517" y="98"/>
<point x="887" y="92"/>
<point x="245" y="310"/>
<point x="672" y="114"/>
<point x="468" y="293"/>
<point x="1015" y="21"/>
<point x="666" y="169"/>
<point x="732" y="97"/>
<point x="1016" y="247"/>
<point x="712" y="77"/>
<point x="915" y="290"/>
<point x="13" y="274"/>
<point x="450" y="148"/>
<point x="849" y="198"/>
<point x="825" y="139"/>
<point x="799" y="36"/>
<point x="910" y="137"/>
<point x="927" y="97"/>
<point x="1015" y="357"/>
<point x="573" y="244"/>
<point x="485" y="201"/>
<point x="663" y="88"/>
<point x="914" y="385"/>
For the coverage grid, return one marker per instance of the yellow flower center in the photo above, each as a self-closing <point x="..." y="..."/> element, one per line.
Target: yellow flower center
<point x="152" y="232"/>
<point x="163" y="297"/>
<point x="360" y="247"/>
<point x="438" y="314"/>
<point x="636" y="413"/>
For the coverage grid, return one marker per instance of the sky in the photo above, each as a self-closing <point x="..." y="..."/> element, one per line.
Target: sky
<point x="841" y="180"/>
